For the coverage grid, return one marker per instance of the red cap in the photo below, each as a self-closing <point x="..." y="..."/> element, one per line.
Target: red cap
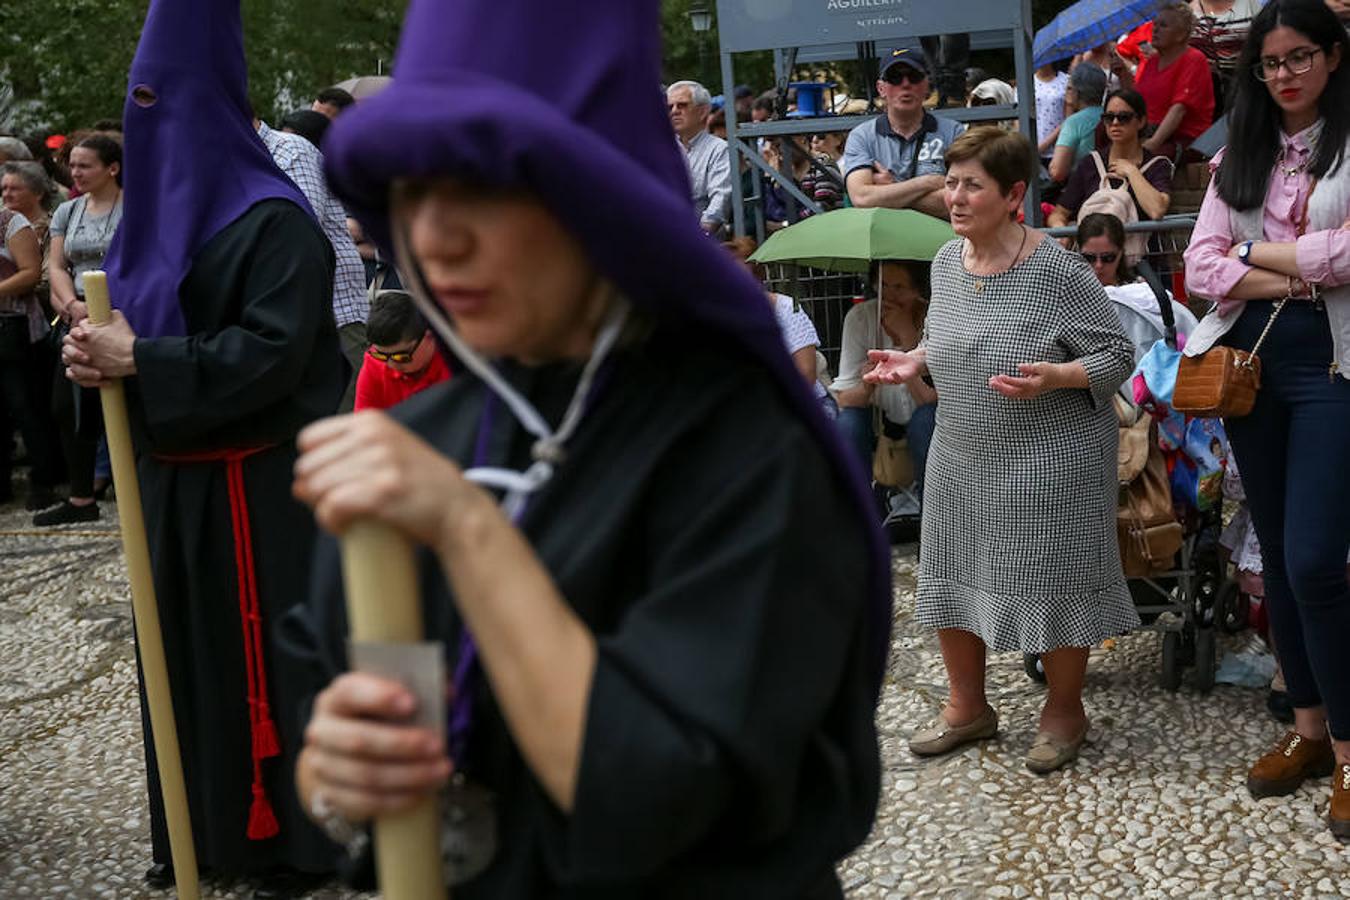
<point x="56" y="141"/>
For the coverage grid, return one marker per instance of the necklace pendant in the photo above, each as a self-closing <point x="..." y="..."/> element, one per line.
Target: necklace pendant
<point x="468" y="830"/>
<point x="979" y="285"/>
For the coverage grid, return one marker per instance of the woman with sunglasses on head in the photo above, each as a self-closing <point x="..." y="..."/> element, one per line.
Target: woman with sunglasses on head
<point x="1146" y="175"/>
<point x="1270" y="238"/>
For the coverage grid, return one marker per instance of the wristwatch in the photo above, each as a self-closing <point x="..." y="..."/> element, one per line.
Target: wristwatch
<point x="1245" y="252"/>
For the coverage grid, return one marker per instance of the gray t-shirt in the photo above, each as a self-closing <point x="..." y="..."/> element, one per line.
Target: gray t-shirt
<point x="877" y="141"/>
<point x="86" y="237"/>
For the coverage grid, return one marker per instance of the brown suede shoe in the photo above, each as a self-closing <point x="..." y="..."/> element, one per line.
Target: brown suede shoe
<point x="1283" y="769"/>
<point x="1339" y="814"/>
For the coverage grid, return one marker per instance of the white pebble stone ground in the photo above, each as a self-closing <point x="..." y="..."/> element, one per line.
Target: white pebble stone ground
<point x="1155" y="807"/>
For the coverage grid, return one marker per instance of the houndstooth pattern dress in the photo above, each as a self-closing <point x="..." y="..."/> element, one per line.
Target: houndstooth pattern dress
<point x="1019" y="539"/>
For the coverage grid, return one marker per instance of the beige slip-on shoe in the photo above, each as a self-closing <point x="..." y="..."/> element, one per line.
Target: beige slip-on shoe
<point x="939" y="737"/>
<point x="1049" y="753"/>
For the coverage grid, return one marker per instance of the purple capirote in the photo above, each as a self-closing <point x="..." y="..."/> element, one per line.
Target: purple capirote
<point x="192" y="161"/>
<point x="522" y="94"/>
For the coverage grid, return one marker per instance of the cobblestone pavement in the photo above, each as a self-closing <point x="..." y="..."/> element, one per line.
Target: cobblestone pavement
<point x="1154" y="808"/>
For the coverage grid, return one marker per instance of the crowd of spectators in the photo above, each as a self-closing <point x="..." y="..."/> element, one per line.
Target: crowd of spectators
<point x="61" y="209"/>
<point x="1113" y="125"/>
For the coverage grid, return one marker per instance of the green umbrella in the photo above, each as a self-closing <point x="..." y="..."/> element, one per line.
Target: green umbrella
<point x="847" y="240"/>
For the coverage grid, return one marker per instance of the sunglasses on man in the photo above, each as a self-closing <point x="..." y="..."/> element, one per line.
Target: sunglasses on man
<point x="902" y="74"/>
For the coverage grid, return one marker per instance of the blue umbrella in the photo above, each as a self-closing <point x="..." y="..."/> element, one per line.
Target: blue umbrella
<point x="1088" y="23"/>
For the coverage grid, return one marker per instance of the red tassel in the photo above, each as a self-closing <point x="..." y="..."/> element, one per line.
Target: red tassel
<point x="266" y="744"/>
<point x="262" y="822"/>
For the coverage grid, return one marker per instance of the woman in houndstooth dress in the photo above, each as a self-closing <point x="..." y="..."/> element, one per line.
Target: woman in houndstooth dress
<point x="1019" y="541"/>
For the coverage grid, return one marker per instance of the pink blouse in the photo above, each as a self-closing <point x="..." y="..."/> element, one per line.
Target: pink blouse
<point x="1323" y="256"/>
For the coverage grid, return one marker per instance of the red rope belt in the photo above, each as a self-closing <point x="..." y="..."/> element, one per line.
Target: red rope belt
<point x="262" y="820"/>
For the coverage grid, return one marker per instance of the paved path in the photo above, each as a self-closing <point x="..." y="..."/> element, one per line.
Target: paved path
<point x="1155" y="808"/>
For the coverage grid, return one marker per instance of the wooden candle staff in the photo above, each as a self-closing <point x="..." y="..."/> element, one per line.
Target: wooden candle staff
<point x="145" y="610"/>
<point x="383" y="605"/>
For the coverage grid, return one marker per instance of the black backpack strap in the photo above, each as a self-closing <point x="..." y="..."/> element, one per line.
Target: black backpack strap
<point x="1164" y="302"/>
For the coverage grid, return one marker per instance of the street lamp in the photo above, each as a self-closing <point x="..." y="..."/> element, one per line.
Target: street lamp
<point x="700" y="19"/>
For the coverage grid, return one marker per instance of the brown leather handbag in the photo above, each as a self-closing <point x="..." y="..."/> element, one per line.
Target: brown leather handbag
<point x="1221" y="382"/>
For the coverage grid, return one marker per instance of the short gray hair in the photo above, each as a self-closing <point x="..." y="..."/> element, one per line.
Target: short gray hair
<point x="34" y="177"/>
<point x="698" y="94"/>
<point x="13" y="148"/>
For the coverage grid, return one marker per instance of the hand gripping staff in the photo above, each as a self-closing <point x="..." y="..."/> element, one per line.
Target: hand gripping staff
<point x="159" y="698"/>
<point x="383" y="605"/>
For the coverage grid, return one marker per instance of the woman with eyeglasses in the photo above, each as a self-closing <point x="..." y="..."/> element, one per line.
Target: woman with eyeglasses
<point x="1146" y="175"/>
<point x="1270" y="239"/>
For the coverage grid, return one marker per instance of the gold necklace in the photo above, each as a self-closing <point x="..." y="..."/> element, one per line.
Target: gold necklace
<point x="979" y="281"/>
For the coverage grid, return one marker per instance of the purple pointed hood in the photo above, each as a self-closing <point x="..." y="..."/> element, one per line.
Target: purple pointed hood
<point x="521" y="93"/>
<point x="192" y="162"/>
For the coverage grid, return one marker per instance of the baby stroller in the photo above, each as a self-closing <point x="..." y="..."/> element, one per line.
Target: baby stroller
<point x="1168" y="537"/>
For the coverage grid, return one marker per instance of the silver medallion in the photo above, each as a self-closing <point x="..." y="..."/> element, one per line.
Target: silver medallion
<point x="468" y="830"/>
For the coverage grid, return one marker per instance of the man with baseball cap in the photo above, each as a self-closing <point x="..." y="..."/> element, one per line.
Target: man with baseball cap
<point x="896" y="160"/>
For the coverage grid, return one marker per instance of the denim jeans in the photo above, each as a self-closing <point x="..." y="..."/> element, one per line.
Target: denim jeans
<point x="856" y="424"/>
<point x="1292" y="450"/>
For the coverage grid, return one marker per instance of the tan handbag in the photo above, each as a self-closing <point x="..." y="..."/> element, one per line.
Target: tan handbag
<point x="1222" y="382"/>
<point x="891" y="464"/>
<point x="1219" y="383"/>
<point x="1146" y="527"/>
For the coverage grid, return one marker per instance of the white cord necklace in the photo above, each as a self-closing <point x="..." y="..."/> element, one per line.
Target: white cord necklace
<point x="548" y="450"/>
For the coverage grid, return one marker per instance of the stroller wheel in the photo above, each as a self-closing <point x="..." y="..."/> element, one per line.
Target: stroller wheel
<point x="1205" y="659"/>
<point x="1232" y="608"/>
<point x="1031" y="662"/>
<point x="1171" y="661"/>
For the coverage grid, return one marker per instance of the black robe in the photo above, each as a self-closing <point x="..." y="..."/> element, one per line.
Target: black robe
<point x="696" y="528"/>
<point x="260" y="360"/>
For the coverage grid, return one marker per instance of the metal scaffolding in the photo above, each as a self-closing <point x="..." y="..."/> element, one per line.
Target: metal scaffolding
<point x="802" y="31"/>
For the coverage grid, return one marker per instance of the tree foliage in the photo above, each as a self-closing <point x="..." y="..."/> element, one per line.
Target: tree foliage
<point x="696" y="56"/>
<point x="65" y="62"/>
